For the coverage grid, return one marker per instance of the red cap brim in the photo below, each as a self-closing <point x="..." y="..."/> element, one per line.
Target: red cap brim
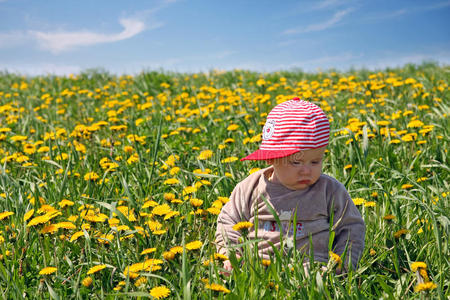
<point x="269" y="154"/>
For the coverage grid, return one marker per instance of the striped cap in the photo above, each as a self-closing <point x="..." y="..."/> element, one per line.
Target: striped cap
<point x="292" y="126"/>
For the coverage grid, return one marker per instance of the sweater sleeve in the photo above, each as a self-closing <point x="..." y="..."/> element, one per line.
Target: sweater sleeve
<point x="233" y="212"/>
<point x="348" y="225"/>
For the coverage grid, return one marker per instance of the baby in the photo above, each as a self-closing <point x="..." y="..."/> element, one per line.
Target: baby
<point x="295" y="137"/>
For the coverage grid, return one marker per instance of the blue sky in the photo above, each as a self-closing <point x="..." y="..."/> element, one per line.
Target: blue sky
<point x="62" y="37"/>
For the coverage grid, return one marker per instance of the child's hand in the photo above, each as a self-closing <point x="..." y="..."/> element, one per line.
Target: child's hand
<point x="228" y="267"/>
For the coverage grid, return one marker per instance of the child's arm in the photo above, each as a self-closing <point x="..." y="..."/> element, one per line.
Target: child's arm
<point x="233" y="212"/>
<point x="348" y="225"/>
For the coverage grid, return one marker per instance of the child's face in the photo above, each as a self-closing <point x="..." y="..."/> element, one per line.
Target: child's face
<point x="299" y="170"/>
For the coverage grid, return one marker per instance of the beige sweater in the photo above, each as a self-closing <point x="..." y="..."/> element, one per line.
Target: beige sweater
<point x="313" y="205"/>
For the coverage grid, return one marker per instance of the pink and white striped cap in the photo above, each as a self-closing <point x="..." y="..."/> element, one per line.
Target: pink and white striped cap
<point x="292" y="126"/>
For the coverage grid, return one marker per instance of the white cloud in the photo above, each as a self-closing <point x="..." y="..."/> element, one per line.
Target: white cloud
<point x="336" y="18"/>
<point x="57" y="42"/>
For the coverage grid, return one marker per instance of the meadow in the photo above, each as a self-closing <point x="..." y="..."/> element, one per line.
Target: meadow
<point x="110" y="186"/>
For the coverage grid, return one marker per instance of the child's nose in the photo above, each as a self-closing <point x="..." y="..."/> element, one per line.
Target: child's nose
<point x="305" y="169"/>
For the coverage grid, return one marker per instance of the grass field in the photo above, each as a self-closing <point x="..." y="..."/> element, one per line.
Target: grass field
<point x="110" y="186"/>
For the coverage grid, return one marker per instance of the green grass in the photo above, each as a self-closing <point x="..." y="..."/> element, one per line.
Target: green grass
<point x="401" y="171"/>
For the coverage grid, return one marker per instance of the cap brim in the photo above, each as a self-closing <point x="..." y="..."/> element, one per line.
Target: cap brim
<point x="269" y="154"/>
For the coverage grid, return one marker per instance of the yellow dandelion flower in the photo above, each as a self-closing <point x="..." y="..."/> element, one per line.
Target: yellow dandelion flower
<point x="29" y="149"/>
<point x="196" y="202"/>
<point x="194" y="245"/>
<point x="176" y="249"/>
<point x="87" y="282"/>
<point x="149" y="203"/>
<point x="52" y="228"/>
<point x="64" y="202"/>
<point x="213" y="210"/>
<point x="160" y="292"/>
<point x="128" y="149"/>
<point x="171" y="214"/>
<point x="409" y="137"/>
<point x="266" y="262"/>
<point x="5" y="214"/>
<point x="400" y="232"/>
<point x="418" y="265"/>
<point x="370" y="204"/>
<point x="205" y="154"/>
<point x="229" y="159"/>
<point x="47" y="270"/>
<point x="66" y="225"/>
<point x="389" y="217"/>
<point x="260" y="82"/>
<point x="18" y="138"/>
<point x="358" y="201"/>
<point x="105" y="238"/>
<point x="346" y="167"/>
<point x="119" y="286"/>
<point x="253" y="170"/>
<point x="423" y="273"/>
<point x="426" y="286"/>
<point x="129" y="273"/>
<point x="148" y="251"/>
<point x="383" y="123"/>
<point x="206" y="262"/>
<point x="76" y="235"/>
<point x="46" y="209"/>
<point x="219" y="256"/>
<point x="168" y="255"/>
<point x="223" y="199"/>
<point x="171" y="181"/>
<point x="169" y="196"/>
<point x="232" y="127"/>
<point x="406" y="186"/>
<point x="189" y="190"/>
<point x="336" y="258"/>
<point x="91" y="176"/>
<point x="415" y="124"/>
<point x="154" y="225"/>
<point x="161" y="210"/>
<point x="174" y="171"/>
<point x="242" y="225"/>
<point x="62" y="156"/>
<point x="217" y="287"/>
<point x="28" y="215"/>
<point x="394" y="141"/>
<point x="159" y="232"/>
<point x="38" y="220"/>
<point x="140" y="281"/>
<point x="95" y="269"/>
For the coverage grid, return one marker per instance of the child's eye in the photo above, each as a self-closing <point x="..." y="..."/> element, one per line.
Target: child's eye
<point x="296" y="163"/>
<point x="315" y="162"/>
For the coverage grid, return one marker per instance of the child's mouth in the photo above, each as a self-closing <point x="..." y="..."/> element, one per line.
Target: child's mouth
<point x="304" y="181"/>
